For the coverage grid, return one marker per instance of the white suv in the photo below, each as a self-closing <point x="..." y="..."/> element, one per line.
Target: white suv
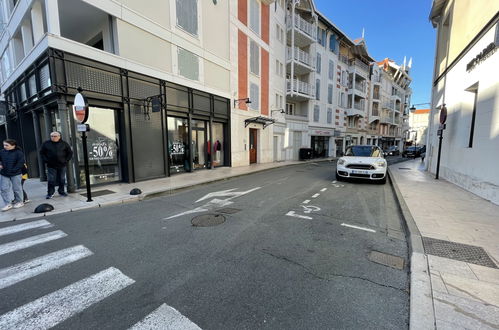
<point x="365" y="162"/>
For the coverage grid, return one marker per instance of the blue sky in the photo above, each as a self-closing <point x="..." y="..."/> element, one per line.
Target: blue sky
<point x="394" y="29"/>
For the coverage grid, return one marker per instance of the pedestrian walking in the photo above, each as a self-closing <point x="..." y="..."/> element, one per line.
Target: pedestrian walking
<point x="56" y="154"/>
<point x="11" y="165"/>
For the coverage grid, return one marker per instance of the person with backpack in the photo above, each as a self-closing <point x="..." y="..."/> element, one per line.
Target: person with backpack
<point x="11" y="167"/>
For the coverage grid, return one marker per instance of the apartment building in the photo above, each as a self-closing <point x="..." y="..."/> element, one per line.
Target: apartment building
<point x="418" y="126"/>
<point x="465" y="84"/>
<point x="156" y="76"/>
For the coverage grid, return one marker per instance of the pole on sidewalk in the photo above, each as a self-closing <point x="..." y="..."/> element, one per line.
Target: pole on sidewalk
<point x="440" y="137"/>
<point x="87" y="170"/>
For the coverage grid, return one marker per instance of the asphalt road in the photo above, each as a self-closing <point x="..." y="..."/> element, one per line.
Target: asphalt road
<point x="286" y="258"/>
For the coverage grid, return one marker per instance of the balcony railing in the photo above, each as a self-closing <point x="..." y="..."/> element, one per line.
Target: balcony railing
<point x="302" y="25"/>
<point x="300" y="56"/>
<point x="376" y="79"/>
<point x="375" y="112"/>
<point x="344" y="59"/>
<point x="359" y="106"/>
<point x="386" y="119"/>
<point x="300" y="87"/>
<point x="376" y="96"/>
<point x="360" y="65"/>
<point x="360" y="87"/>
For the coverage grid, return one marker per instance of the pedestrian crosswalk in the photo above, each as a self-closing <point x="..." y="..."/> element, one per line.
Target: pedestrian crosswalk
<point x="51" y="309"/>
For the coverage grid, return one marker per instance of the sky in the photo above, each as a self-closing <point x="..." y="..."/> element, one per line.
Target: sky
<point x="393" y="29"/>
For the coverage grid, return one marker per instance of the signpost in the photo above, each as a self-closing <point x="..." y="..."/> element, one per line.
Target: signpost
<point x="80" y="111"/>
<point x="440" y="133"/>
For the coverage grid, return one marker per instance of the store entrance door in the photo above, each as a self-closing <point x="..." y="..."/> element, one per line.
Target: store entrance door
<point x="253" y="145"/>
<point x="199" y="145"/>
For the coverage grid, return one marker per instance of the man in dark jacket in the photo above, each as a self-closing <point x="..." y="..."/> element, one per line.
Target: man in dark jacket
<point x="56" y="153"/>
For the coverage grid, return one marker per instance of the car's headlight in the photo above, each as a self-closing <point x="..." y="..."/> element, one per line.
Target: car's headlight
<point x="381" y="164"/>
<point x="341" y="161"/>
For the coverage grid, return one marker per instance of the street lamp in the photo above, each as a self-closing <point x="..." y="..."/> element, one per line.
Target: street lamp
<point x="280" y="111"/>
<point x="245" y="100"/>
<point x="413" y="108"/>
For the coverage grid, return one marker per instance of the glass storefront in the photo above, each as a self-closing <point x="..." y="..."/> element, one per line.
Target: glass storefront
<point x="178" y="144"/>
<point x="218" y="144"/>
<point x="102" y="147"/>
<point x="320" y="146"/>
<point x="201" y="151"/>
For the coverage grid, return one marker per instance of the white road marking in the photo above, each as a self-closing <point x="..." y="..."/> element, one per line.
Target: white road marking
<point x="334" y="181"/>
<point x="323" y="189"/>
<point x="338" y="185"/>
<point x="310" y="208"/>
<point x="316" y="195"/>
<point x="293" y="214"/>
<point x="30" y="241"/>
<point x="62" y="304"/>
<point x="25" y="226"/>
<point x="228" y="192"/>
<point x="306" y="201"/>
<point x="357" y="227"/>
<point x="165" y="318"/>
<point x="20" y="272"/>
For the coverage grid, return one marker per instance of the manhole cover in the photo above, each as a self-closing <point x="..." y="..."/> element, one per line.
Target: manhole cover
<point x="386" y="259"/>
<point x="461" y="252"/>
<point x="100" y="193"/>
<point x="208" y="220"/>
<point x="228" y="210"/>
<point x="404" y="168"/>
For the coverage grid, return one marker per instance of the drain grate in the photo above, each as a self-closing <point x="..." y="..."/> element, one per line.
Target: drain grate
<point x="457" y="251"/>
<point x="228" y="210"/>
<point x="386" y="259"/>
<point x="100" y="193"/>
<point x="208" y="220"/>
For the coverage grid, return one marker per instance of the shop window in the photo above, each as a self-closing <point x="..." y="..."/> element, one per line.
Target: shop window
<point x="221" y="107"/>
<point x="178" y="144"/>
<point x="177" y="97"/>
<point x="32" y="85"/>
<point x="254" y="58"/>
<point x="218" y="144"/>
<point x="187" y="15"/>
<point x="254" y="16"/>
<point x="44" y="74"/>
<point x="201" y="101"/>
<point x="188" y="64"/>
<point x="102" y="147"/>
<point x="254" y="96"/>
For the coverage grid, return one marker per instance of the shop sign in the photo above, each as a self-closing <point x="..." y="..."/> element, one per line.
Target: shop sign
<point x="80" y="108"/>
<point x="482" y="56"/>
<point x="322" y="133"/>
<point x="102" y="150"/>
<point x="178" y="148"/>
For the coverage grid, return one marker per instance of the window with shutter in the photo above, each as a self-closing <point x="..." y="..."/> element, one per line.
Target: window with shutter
<point x="254" y="16"/>
<point x="331" y="70"/>
<point x="317" y="89"/>
<point x="187" y="15"/>
<point x="329" y="116"/>
<point x="318" y="63"/>
<point x="316" y="113"/>
<point x="330" y="94"/>
<point x="254" y="58"/>
<point x="254" y="96"/>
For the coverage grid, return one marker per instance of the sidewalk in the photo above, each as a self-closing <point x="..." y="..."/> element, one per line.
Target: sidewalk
<point x="453" y="286"/>
<point x="120" y="192"/>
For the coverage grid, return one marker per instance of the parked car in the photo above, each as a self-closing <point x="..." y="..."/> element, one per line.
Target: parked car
<point x="392" y="151"/>
<point x="414" y="151"/>
<point x="362" y="161"/>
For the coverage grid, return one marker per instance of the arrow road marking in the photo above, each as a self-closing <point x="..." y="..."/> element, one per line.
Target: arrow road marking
<point x="215" y="203"/>
<point x="293" y="214"/>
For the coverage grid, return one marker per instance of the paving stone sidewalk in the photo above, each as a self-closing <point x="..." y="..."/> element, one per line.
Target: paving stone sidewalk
<point x="454" y="274"/>
<point x="120" y="192"/>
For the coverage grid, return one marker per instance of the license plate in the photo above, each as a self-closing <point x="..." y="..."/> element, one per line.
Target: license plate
<point x="359" y="172"/>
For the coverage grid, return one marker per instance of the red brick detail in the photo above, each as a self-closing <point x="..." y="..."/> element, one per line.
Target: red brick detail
<point x="265" y="83"/>
<point x="242" y="11"/>
<point x="242" y="59"/>
<point x="337" y="117"/>
<point x="338" y="86"/>
<point x="337" y="110"/>
<point x="265" y="23"/>
<point x="337" y="124"/>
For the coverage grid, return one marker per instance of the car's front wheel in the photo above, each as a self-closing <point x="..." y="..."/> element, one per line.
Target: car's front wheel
<point x="338" y="177"/>
<point x="383" y="181"/>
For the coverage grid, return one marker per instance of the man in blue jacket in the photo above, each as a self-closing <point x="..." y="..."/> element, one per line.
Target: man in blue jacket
<point x="11" y="166"/>
<point x="56" y="153"/>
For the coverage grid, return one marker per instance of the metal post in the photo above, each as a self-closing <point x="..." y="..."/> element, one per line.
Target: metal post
<point x="66" y="135"/>
<point x="87" y="170"/>
<point x="38" y="141"/>
<point x="439" y="152"/>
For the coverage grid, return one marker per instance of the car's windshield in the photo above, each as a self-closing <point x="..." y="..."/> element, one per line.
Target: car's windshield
<point x="392" y="148"/>
<point x="362" y="151"/>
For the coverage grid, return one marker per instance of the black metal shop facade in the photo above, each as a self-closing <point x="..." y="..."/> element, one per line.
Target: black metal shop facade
<point x="141" y="127"/>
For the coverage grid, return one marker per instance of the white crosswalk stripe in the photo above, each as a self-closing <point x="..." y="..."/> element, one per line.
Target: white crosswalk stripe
<point x="20" y="272"/>
<point x="31" y="241"/>
<point x="25" y="226"/>
<point x="165" y="318"/>
<point x="60" y="305"/>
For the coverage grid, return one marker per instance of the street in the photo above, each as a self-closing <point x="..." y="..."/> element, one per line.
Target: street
<point x="295" y="252"/>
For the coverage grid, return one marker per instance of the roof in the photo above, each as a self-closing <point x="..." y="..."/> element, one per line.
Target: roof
<point x="421" y="111"/>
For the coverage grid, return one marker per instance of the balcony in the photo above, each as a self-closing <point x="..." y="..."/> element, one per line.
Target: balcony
<point x="300" y="90"/>
<point x="344" y="59"/>
<point x="303" y="61"/>
<point x="358" y="110"/>
<point x="360" y="87"/>
<point x="297" y="117"/>
<point x="361" y="65"/>
<point x="307" y="32"/>
<point x="386" y="119"/>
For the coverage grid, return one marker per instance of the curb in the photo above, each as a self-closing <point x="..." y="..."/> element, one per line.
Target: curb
<point x="422" y="312"/>
<point x="159" y="192"/>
